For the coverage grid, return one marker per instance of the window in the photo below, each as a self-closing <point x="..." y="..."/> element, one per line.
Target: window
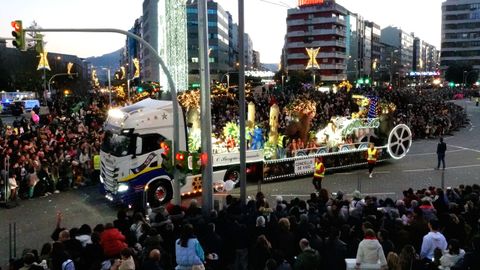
<point x="151" y="142"/>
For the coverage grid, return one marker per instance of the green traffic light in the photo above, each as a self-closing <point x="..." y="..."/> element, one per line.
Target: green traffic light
<point x="367" y="81"/>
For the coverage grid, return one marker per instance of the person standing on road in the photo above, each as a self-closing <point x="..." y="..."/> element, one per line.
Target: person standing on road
<point x="372" y="154"/>
<point x="318" y="174"/>
<point x="441" y="149"/>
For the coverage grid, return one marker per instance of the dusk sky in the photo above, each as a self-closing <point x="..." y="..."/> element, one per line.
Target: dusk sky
<point x="264" y="21"/>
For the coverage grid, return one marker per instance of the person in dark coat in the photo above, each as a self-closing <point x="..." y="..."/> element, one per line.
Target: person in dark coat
<point x="309" y="259"/>
<point x="153" y="261"/>
<point x="335" y="251"/>
<point x="441" y="149"/>
<point x="286" y="240"/>
<point x="261" y="252"/>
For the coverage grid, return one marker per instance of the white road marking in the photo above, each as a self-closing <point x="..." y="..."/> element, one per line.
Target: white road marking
<point x="429" y="154"/>
<point x="465" y="148"/>
<point x="348" y="194"/>
<point x="374" y="172"/>
<point x="448" y="168"/>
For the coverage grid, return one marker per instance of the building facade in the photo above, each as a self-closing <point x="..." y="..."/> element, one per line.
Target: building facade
<point x="425" y="56"/>
<point x="220" y="53"/>
<point x="403" y="42"/>
<point x="460" y="33"/>
<point x="317" y="24"/>
<point x="149" y="70"/>
<point x="248" y="51"/>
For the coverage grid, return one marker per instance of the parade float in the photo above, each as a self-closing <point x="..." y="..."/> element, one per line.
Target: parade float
<point x="137" y="157"/>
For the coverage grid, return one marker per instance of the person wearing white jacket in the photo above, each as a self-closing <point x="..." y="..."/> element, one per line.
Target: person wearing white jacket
<point x="452" y="255"/>
<point x="370" y="251"/>
<point x="434" y="239"/>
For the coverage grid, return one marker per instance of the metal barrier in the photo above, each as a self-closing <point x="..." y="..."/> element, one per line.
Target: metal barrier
<point x="303" y="165"/>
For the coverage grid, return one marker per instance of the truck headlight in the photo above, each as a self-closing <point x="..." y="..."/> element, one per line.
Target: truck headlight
<point x="122" y="188"/>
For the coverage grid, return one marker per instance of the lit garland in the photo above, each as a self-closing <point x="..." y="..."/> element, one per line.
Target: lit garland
<point x="189" y="99"/>
<point x="302" y="106"/>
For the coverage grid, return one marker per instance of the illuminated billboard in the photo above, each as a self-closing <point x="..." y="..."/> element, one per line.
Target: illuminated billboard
<point x="309" y="2"/>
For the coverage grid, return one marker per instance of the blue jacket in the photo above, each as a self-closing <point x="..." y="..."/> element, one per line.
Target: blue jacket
<point x="190" y="255"/>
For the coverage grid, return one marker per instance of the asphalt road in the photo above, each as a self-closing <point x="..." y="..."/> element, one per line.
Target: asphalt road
<point x="35" y="219"/>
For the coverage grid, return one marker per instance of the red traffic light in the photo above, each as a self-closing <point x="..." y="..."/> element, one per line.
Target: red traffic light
<point x="165" y="147"/>
<point x="204" y="159"/>
<point x="180" y="156"/>
<point x="15" y="25"/>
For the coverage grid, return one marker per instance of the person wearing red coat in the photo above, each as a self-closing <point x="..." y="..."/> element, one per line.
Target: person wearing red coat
<point x="112" y="241"/>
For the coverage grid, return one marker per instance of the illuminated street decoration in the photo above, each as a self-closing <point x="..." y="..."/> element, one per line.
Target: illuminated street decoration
<point x="136" y="64"/>
<point x="312" y="62"/>
<point x="69" y="67"/>
<point x="172" y="41"/>
<point x="309" y="2"/>
<point x="43" y="64"/>
<point x="123" y="73"/>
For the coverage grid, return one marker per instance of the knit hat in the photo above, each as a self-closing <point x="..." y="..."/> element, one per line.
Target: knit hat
<point x="356" y="194"/>
<point x="260" y="221"/>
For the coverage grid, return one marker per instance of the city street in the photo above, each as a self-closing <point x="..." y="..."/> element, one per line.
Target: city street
<point x="35" y="219"/>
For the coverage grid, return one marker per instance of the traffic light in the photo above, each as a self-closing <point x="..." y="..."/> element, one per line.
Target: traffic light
<point x="367" y="81"/>
<point x="39" y="43"/>
<point x="181" y="161"/>
<point x="139" y="89"/>
<point x="167" y="155"/>
<point x="194" y="163"/>
<point x="451" y="84"/>
<point x="18" y="34"/>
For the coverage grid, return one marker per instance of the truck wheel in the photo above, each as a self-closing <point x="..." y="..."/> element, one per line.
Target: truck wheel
<point x="159" y="193"/>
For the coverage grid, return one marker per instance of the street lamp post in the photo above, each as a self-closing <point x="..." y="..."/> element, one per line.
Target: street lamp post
<point x="465" y="73"/>
<point x="283" y="81"/>
<point x="109" y="87"/>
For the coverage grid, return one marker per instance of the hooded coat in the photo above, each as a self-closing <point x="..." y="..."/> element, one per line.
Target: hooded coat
<point x="370" y="251"/>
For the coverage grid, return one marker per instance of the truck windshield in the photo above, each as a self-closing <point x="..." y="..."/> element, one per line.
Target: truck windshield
<point x="116" y="144"/>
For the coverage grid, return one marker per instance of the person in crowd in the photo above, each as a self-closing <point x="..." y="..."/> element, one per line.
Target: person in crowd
<point x="112" y="241"/>
<point x="433" y="240"/>
<point x="308" y="259"/>
<point x="153" y="261"/>
<point x="372" y="155"/>
<point x="263" y="252"/>
<point x="126" y="262"/>
<point x="318" y="174"/>
<point x="451" y="256"/>
<point x="370" y="251"/>
<point x="441" y="149"/>
<point x="188" y="251"/>
<point x="393" y="261"/>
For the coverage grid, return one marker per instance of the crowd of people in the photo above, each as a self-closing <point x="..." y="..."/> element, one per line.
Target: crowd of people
<point x="320" y="233"/>
<point x="430" y="228"/>
<point x="52" y="154"/>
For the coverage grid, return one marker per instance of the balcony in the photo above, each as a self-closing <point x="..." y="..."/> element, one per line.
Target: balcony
<point x="317" y="32"/>
<point x="317" y="43"/>
<point x="332" y="55"/>
<point x="297" y="56"/>
<point x="332" y="66"/>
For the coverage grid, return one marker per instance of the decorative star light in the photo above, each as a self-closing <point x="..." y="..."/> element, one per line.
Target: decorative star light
<point x="312" y="53"/>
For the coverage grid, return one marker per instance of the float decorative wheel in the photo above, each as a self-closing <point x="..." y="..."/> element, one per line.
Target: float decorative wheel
<point x="197" y="183"/>
<point x="399" y="141"/>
